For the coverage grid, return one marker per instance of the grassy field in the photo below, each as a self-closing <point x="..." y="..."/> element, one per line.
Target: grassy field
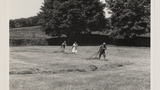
<point x="39" y="68"/>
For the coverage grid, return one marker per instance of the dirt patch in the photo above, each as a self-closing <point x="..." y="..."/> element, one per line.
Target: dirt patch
<point x="72" y="70"/>
<point x="29" y="71"/>
<point x="46" y="72"/>
<point x="21" y="72"/>
<point x="38" y="71"/>
<point x="91" y="68"/>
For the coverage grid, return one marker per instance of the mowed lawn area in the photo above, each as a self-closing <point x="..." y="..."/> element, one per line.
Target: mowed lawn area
<point x="40" y="68"/>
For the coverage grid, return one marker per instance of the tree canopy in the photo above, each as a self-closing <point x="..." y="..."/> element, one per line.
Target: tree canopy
<point x="129" y="17"/>
<point x="24" y="22"/>
<point x="72" y="17"/>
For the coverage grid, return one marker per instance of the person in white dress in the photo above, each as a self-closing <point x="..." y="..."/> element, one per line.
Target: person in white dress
<point x="74" y="48"/>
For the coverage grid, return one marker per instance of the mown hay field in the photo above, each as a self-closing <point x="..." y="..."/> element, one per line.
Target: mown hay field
<point x="40" y="68"/>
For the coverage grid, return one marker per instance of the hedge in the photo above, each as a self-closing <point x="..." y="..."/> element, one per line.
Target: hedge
<point x="84" y="40"/>
<point x="23" y="42"/>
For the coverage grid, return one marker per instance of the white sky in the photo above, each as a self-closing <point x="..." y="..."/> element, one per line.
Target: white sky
<point x="26" y="8"/>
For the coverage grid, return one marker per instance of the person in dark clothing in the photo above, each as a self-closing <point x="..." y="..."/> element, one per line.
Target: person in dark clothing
<point x="102" y="49"/>
<point x="63" y="46"/>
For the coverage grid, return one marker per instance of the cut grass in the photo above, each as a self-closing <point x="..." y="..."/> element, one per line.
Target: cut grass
<point x="39" y="68"/>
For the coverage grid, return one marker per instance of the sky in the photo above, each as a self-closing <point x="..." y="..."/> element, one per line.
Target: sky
<point x="26" y="8"/>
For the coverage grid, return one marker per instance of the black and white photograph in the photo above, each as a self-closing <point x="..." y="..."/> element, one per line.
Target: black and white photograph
<point x="79" y="44"/>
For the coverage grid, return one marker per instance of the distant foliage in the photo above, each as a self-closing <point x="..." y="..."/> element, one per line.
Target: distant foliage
<point x="72" y="17"/>
<point x="129" y="17"/>
<point x="24" y="22"/>
<point x="23" y="42"/>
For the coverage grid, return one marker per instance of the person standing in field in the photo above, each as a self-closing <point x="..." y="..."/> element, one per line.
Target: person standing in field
<point x="102" y="49"/>
<point x="74" y="48"/>
<point x="63" y="46"/>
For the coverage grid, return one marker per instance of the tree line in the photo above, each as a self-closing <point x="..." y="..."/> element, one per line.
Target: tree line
<point x="24" y="22"/>
<point x="129" y="18"/>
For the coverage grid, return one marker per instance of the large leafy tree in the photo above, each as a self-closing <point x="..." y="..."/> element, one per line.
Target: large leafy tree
<point x="72" y="17"/>
<point x="129" y="17"/>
